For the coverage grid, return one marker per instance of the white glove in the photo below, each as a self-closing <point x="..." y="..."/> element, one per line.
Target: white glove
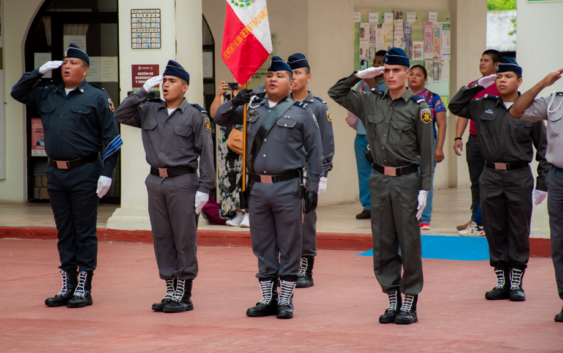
<point x="421" y="203"/>
<point x="152" y="82"/>
<point x="539" y="196"/>
<point x="50" y="65"/>
<point x="104" y="183"/>
<point x="322" y="186"/>
<point x="487" y="81"/>
<point x="371" y="72"/>
<point x="201" y="199"/>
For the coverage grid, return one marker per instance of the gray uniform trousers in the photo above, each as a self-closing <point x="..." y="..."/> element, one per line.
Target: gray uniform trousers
<point x="310" y="234"/>
<point x="506" y="204"/>
<point x="394" y="226"/>
<point x="174" y="224"/>
<point x="555" y="209"/>
<point x="275" y="227"/>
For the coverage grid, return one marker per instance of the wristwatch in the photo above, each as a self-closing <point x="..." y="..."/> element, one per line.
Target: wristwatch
<point x="458" y="138"/>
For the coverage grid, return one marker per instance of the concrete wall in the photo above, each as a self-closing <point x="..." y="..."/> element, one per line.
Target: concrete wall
<point x="16" y="19"/>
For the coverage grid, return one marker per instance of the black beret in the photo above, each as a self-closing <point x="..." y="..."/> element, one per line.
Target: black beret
<point x="73" y="51"/>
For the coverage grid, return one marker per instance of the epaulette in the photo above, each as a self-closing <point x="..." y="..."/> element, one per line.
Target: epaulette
<point x="320" y="100"/>
<point x="98" y="87"/>
<point x="300" y="104"/>
<point x="45" y="88"/>
<point x="155" y="100"/>
<point x="375" y="90"/>
<point x="198" y="107"/>
<point x="490" y="96"/>
<point x="417" y="99"/>
<point x="257" y="99"/>
<point x="558" y="93"/>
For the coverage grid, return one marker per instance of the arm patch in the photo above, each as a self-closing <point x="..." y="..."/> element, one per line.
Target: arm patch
<point x="426" y="116"/>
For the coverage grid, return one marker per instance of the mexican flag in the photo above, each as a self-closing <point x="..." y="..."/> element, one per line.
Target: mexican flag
<point x="246" y="38"/>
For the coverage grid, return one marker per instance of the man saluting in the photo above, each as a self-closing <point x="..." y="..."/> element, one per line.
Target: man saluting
<point x="77" y="120"/>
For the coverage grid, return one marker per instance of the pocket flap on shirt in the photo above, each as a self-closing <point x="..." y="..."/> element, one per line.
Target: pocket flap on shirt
<point x="375" y="119"/>
<point x="81" y="110"/>
<point x="288" y="123"/>
<point x="252" y="118"/>
<point x="47" y="110"/>
<point x="401" y="124"/>
<point x="183" y="131"/>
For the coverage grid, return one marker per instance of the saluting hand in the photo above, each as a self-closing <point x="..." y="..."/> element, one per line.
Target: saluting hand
<point x="50" y="65"/>
<point x="370" y="72"/>
<point x="487" y="81"/>
<point x="552" y="78"/>
<point x="152" y="82"/>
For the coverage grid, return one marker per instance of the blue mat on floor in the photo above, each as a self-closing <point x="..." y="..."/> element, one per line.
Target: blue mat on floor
<point x="451" y="248"/>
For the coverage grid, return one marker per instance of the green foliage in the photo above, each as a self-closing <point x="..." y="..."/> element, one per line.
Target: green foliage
<point x="501" y="5"/>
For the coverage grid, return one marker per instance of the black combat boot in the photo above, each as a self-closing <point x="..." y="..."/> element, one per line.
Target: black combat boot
<point x="181" y="300"/>
<point x="516" y="291"/>
<point x="269" y="303"/>
<point x="305" y="279"/>
<point x="502" y="290"/>
<point x="285" y="301"/>
<point x="407" y="314"/>
<point x="170" y="290"/>
<point x="559" y="317"/>
<point x="67" y="291"/>
<point x="83" y="293"/>
<point x="395" y="302"/>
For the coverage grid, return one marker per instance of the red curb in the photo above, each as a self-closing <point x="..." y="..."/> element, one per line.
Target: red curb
<point x="539" y="247"/>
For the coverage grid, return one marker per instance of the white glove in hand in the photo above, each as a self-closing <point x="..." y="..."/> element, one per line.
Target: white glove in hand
<point x="104" y="183"/>
<point x="50" y="65"/>
<point x="322" y="186"/>
<point x="152" y="82"/>
<point x="371" y="72"/>
<point x="201" y="199"/>
<point x="487" y="81"/>
<point x="539" y="196"/>
<point x="421" y="203"/>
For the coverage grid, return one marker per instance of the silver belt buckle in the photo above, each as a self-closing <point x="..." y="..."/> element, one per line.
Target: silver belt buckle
<point x="266" y="179"/>
<point x="390" y="171"/>
<point x="500" y="166"/>
<point x="62" y="165"/>
<point x="163" y="172"/>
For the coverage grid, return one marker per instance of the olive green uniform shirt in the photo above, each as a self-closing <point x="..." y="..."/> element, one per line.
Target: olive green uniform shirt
<point x="398" y="131"/>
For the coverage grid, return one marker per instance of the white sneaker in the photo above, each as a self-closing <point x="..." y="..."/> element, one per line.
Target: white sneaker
<point x="473" y="230"/>
<point x="246" y="221"/>
<point x="235" y="222"/>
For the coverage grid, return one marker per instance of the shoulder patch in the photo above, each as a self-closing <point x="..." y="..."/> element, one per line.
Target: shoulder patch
<point x="98" y="87"/>
<point x="302" y="105"/>
<point x="417" y="100"/>
<point x="490" y="96"/>
<point x="426" y="116"/>
<point x="328" y="117"/>
<point x="207" y="124"/>
<point x="110" y="105"/>
<point x="375" y="90"/>
<point x="198" y="107"/>
<point x="320" y="100"/>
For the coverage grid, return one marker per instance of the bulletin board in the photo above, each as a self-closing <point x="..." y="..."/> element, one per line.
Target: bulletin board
<point x="424" y="35"/>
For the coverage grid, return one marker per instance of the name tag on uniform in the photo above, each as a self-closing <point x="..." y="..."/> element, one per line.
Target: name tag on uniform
<point x="488" y="111"/>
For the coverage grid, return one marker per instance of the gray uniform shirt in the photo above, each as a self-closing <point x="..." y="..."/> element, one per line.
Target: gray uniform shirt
<point x="321" y="113"/>
<point x="293" y="143"/>
<point x="175" y="140"/>
<point x="502" y="138"/>
<point x="398" y="131"/>
<point x="550" y="109"/>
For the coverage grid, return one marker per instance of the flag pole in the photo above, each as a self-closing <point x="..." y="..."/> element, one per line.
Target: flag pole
<point x="244" y="144"/>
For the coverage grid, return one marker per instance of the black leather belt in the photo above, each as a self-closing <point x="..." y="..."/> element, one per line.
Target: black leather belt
<point x="395" y="171"/>
<point x="505" y="166"/>
<point x="75" y="162"/>
<point x="270" y="179"/>
<point x="171" y="172"/>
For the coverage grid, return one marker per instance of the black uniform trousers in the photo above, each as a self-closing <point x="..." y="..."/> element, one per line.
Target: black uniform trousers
<point x="309" y="234"/>
<point x="475" y="163"/>
<point x="75" y="206"/>
<point x="554" y="183"/>
<point x="506" y="203"/>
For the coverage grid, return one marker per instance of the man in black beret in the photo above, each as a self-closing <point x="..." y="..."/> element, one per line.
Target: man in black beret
<point x="78" y="120"/>
<point x="506" y="183"/>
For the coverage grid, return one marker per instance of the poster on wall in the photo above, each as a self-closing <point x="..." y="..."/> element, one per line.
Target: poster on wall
<point x="78" y="40"/>
<point x="407" y="35"/>
<point x="388" y="17"/>
<point x="364" y="32"/>
<point x="429" y="65"/>
<point x="373" y="17"/>
<point x="387" y="36"/>
<point x="437" y="63"/>
<point x="446" y="40"/>
<point x="418" y="51"/>
<point x="398" y="40"/>
<point x="428" y="40"/>
<point x="364" y="51"/>
<point x="437" y="39"/>
<point x="372" y="34"/>
<point x="141" y="73"/>
<point x="37" y="138"/>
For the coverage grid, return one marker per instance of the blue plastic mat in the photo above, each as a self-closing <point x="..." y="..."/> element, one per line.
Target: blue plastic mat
<point x="451" y="248"/>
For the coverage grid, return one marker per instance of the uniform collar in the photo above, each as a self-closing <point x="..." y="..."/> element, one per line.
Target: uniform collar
<point x="500" y="102"/>
<point x="182" y="105"/>
<point x="406" y="96"/>
<point x="81" y="87"/>
<point x="309" y="99"/>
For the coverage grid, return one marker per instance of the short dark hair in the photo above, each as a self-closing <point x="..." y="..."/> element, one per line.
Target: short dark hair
<point x="518" y="75"/>
<point x="85" y="63"/>
<point x="307" y="70"/>
<point x="184" y="82"/>
<point x="494" y="54"/>
<point x="290" y="74"/>
<point x="381" y="53"/>
<point x="422" y="68"/>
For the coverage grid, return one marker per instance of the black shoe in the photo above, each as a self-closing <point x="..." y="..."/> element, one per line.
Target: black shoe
<point x="559" y="317"/>
<point x="305" y="279"/>
<point x="516" y="291"/>
<point x="268" y="306"/>
<point x="67" y="291"/>
<point x="502" y="290"/>
<point x="83" y="293"/>
<point x="407" y="314"/>
<point x="170" y="289"/>
<point x="365" y="214"/>
<point x="395" y="302"/>
<point x="285" y="301"/>
<point x="181" y="300"/>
